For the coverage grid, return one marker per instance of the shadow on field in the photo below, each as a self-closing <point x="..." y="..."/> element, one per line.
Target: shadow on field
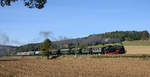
<point x="55" y="57"/>
<point x="9" y="60"/>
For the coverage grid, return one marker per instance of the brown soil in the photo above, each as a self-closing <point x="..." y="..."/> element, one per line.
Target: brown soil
<point x="80" y="67"/>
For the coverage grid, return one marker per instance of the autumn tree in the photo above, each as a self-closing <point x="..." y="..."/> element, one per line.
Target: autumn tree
<point x="45" y="47"/>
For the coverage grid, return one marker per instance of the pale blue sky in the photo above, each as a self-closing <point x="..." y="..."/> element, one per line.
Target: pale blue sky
<point x="74" y="18"/>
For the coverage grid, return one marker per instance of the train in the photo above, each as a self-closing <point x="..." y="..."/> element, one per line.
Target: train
<point x="29" y="53"/>
<point x="117" y="49"/>
<point x="103" y="50"/>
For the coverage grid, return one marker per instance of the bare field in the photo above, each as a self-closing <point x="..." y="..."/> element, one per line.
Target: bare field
<point x="78" y="67"/>
<point x="138" y="49"/>
<point x="70" y="67"/>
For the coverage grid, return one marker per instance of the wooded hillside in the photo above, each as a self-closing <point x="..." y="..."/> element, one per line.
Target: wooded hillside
<point x="91" y="40"/>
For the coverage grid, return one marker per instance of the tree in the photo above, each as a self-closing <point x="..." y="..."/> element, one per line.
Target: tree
<point x="45" y="47"/>
<point x="145" y="35"/>
<point x="29" y="3"/>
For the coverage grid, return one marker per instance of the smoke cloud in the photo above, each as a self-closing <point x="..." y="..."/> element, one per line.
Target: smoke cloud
<point x="60" y="38"/>
<point x="5" y="40"/>
<point x="48" y="34"/>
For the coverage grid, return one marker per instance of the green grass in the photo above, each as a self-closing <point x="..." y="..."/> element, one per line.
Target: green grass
<point x="143" y="56"/>
<point x="121" y="56"/>
<point x="127" y="43"/>
<point x="137" y="43"/>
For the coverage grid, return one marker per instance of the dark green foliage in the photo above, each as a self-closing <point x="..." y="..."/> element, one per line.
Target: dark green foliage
<point x="45" y="47"/>
<point x="80" y="42"/>
<point x="29" y="3"/>
<point x="6" y="2"/>
<point x="110" y="37"/>
<point x="127" y="35"/>
<point x="28" y="47"/>
<point x="106" y="38"/>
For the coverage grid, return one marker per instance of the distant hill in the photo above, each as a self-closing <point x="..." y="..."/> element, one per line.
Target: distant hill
<point x="6" y="50"/>
<point x="126" y="35"/>
<point x="29" y="47"/>
<point x="91" y="40"/>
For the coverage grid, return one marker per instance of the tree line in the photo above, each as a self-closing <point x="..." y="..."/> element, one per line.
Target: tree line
<point x="127" y="35"/>
<point x="95" y="39"/>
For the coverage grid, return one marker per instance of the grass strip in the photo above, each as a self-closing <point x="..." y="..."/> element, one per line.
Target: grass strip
<point x="121" y="56"/>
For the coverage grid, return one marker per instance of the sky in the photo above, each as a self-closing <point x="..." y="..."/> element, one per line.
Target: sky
<point x="72" y="19"/>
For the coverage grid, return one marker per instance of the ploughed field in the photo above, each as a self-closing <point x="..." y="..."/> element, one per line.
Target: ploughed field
<point x="137" y="49"/>
<point x="75" y="67"/>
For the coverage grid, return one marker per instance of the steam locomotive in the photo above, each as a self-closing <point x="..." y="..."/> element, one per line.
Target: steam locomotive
<point x="104" y="50"/>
